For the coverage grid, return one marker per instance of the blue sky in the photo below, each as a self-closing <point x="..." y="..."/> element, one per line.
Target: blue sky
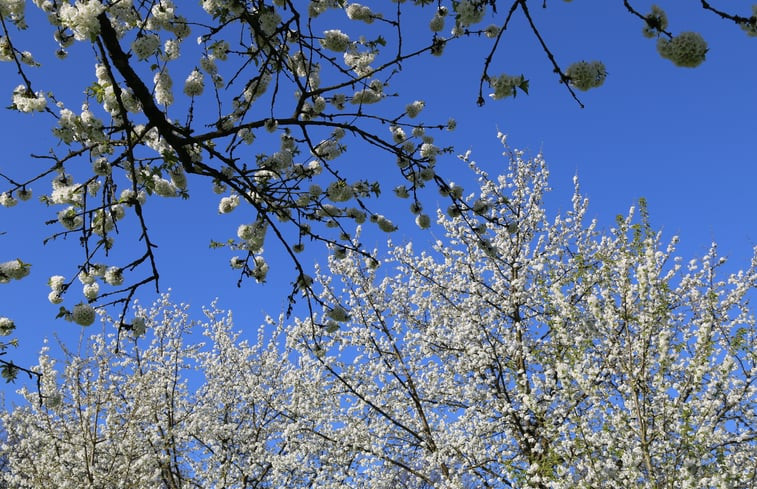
<point x="684" y="139"/>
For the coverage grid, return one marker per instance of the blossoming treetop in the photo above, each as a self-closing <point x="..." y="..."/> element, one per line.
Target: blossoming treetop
<point x="315" y="78"/>
<point x="546" y="355"/>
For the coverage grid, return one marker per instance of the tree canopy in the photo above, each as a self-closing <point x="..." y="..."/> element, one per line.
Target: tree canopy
<point x="522" y="351"/>
<point x="270" y="98"/>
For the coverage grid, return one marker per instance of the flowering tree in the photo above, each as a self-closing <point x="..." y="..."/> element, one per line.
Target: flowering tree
<point x="301" y="82"/>
<point x="521" y="352"/>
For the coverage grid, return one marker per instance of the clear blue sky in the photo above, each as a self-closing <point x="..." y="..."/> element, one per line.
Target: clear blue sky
<point x="685" y="139"/>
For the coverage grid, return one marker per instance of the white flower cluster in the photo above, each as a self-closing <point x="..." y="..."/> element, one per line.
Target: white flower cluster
<point x="260" y="271"/>
<point x="84" y="128"/>
<point x="423" y="221"/>
<point x="413" y="109"/>
<point x="328" y="149"/>
<point x="359" y="62"/>
<point x="7" y="200"/>
<point x="145" y="46"/>
<point x="114" y="276"/>
<point x="83" y="314"/>
<point x="355" y="11"/>
<point x="339" y="191"/>
<point x="491" y="31"/>
<point x="14" y="10"/>
<point x="656" y="22"/>
<point x="13" y="270"/>
<point x="228" y="204"/>
<point x="163" y="88"/>
<point x="67" y="193"/>
<point x="6" y="326"/>
<point x="584" y="75"/>
<point x="687" y="49"/>
<point x="194" y="84"/>
<point x="81" y="18"/>
<point x="253" y="235"/>
<point x="24" y="100"/>
<point x="70" y="218"/>
<point x="335" y="40"/>
<point x="504" y="86"/>
<point x="383" y="223"/>
<point x="57" y="285"/>
<point x="106" y="91"/>
<point x="163" y="187"/>
<point x="437" y="21"/>
<point x="128" y="197"/>
<point x="469" y="12"/>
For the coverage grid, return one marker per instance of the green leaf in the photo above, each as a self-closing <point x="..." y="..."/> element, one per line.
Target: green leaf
<point x="62" y="312"/>
<point x="9" y="372"/>
<point x="523" y="85"/>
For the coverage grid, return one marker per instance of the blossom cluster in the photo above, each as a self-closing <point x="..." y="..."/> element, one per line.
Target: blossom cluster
<point x="656" y="22"/>
<point x="584" y="75"/>
<point x="13" y="270"/>
<point x="687" y="49"/>
<point x="24" y="100"/>
<point x="504" y="85"/>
